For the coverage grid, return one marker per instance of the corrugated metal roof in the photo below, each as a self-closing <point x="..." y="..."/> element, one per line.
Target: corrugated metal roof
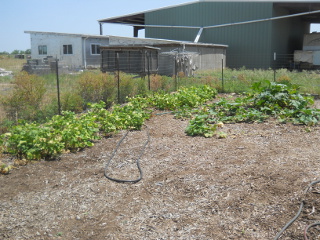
<point x="138" y="19"/>
<point x="66" y="34"/>
<point x="150" y="41"/>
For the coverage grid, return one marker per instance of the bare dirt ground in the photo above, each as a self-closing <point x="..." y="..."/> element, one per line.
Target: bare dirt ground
<point x="246" y="186"/>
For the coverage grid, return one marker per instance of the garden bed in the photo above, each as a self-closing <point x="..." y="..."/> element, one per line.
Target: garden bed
<point x="245" y="186"/>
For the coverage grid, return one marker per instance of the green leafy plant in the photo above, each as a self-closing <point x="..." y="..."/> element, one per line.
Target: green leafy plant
<point x="76" y="132"/>
<point x="31" y="141"/>
<point x="268" y="99"/>
<point x="200" y="126"/>
<point x="184" y="98"/>
<point x="285" y="102"/>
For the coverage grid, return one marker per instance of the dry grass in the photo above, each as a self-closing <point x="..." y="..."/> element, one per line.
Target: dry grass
<point x="4" y="89"/>
<point x="2" y="114"/>
<point x="10" y="63"/>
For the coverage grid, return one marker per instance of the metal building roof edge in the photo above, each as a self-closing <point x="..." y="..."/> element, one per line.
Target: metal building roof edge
<point x="156" y="40"/>
<point x="147" y="11"/>
<point x="68" y="34"/>
<point x="107" y="20"/>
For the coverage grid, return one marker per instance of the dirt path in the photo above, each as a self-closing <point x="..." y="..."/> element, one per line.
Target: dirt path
<point x="247" y="186"/>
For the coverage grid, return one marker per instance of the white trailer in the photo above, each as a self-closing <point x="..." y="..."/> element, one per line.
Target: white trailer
<point x="309" y="56"/>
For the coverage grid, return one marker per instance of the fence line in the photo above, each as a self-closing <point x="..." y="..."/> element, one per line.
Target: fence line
<point x="224" y="79"/>
<point x="164" y="67"/>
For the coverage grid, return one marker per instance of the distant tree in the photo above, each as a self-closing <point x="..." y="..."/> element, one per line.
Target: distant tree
<point x="28" y="51"/>
<point x="14" y="52"/>
<point x="4" y="53"/>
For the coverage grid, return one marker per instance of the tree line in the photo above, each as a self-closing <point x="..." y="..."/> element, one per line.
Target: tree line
<point x="14" y="52"/>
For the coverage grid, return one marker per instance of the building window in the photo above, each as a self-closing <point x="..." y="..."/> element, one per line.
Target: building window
<point x="95" y="49"/>
<point x="42" y="49"/>
<point x="67" y="49"/>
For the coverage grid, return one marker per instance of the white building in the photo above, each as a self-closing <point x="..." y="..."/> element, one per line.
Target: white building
<point x="72" y="50"/>
<point x="80" y="51"/>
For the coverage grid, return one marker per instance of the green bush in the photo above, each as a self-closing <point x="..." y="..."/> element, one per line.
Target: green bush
<point x="72" y="102"/>
<point x="140" y="86"/>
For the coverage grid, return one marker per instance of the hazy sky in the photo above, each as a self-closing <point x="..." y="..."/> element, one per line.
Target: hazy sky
<point x="66" y="16"/>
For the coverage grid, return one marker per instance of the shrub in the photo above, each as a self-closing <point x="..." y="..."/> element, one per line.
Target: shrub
<point x="140" y="86"/>
<point x="95" y="87"/>
<point x="161" y="83"/>
<point x="126" y="87"/>
<point x="284" y="79"/>
<point x="25" y="99"/>
<point x="72" y="102"/>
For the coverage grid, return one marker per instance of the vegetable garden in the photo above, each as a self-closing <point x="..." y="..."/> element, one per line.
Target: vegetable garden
<point x="71" y="132"/>
<point x="219" y="166"/>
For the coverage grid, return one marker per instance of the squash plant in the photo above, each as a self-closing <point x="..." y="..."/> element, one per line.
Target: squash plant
<point x="268" y="99"/>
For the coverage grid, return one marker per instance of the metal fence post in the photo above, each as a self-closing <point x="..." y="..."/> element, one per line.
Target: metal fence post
<point x="274" y="69"/>
<point x="175" y="73"/>
<point x="58" y="86"/>
<point x="118" y="75"/>
<point x="148" y="63"/>
<point x="222" y="77"/>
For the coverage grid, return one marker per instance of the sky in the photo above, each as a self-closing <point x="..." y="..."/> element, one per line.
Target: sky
<point x="68" y="16"/>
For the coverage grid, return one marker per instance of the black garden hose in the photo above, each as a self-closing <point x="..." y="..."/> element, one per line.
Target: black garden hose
<point x="307" y="228"/>
<point x="137" y="161"/>
<point x="290" y="222"/>
<point x="298" y="214"/>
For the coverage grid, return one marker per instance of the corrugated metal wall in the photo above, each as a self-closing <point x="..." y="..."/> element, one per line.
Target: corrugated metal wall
<point x="251" y="45"/>
<point x="186" y="15"/>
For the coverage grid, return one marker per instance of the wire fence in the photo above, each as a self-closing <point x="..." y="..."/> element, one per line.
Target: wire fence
<point x="131" y="74"/>
<point x="166" y="63"/>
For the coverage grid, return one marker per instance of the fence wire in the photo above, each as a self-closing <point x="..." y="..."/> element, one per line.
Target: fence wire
<point x="129" y="74"/>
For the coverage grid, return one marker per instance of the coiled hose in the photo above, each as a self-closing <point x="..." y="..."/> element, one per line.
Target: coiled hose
<point x="137" y="161"/>
<point x="298" y="214"/>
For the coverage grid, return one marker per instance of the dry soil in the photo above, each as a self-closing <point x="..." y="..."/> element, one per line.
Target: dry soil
<point x="246" y="186"/>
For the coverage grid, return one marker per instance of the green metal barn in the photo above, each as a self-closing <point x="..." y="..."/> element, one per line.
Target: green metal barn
<point x="260" y="34"/>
